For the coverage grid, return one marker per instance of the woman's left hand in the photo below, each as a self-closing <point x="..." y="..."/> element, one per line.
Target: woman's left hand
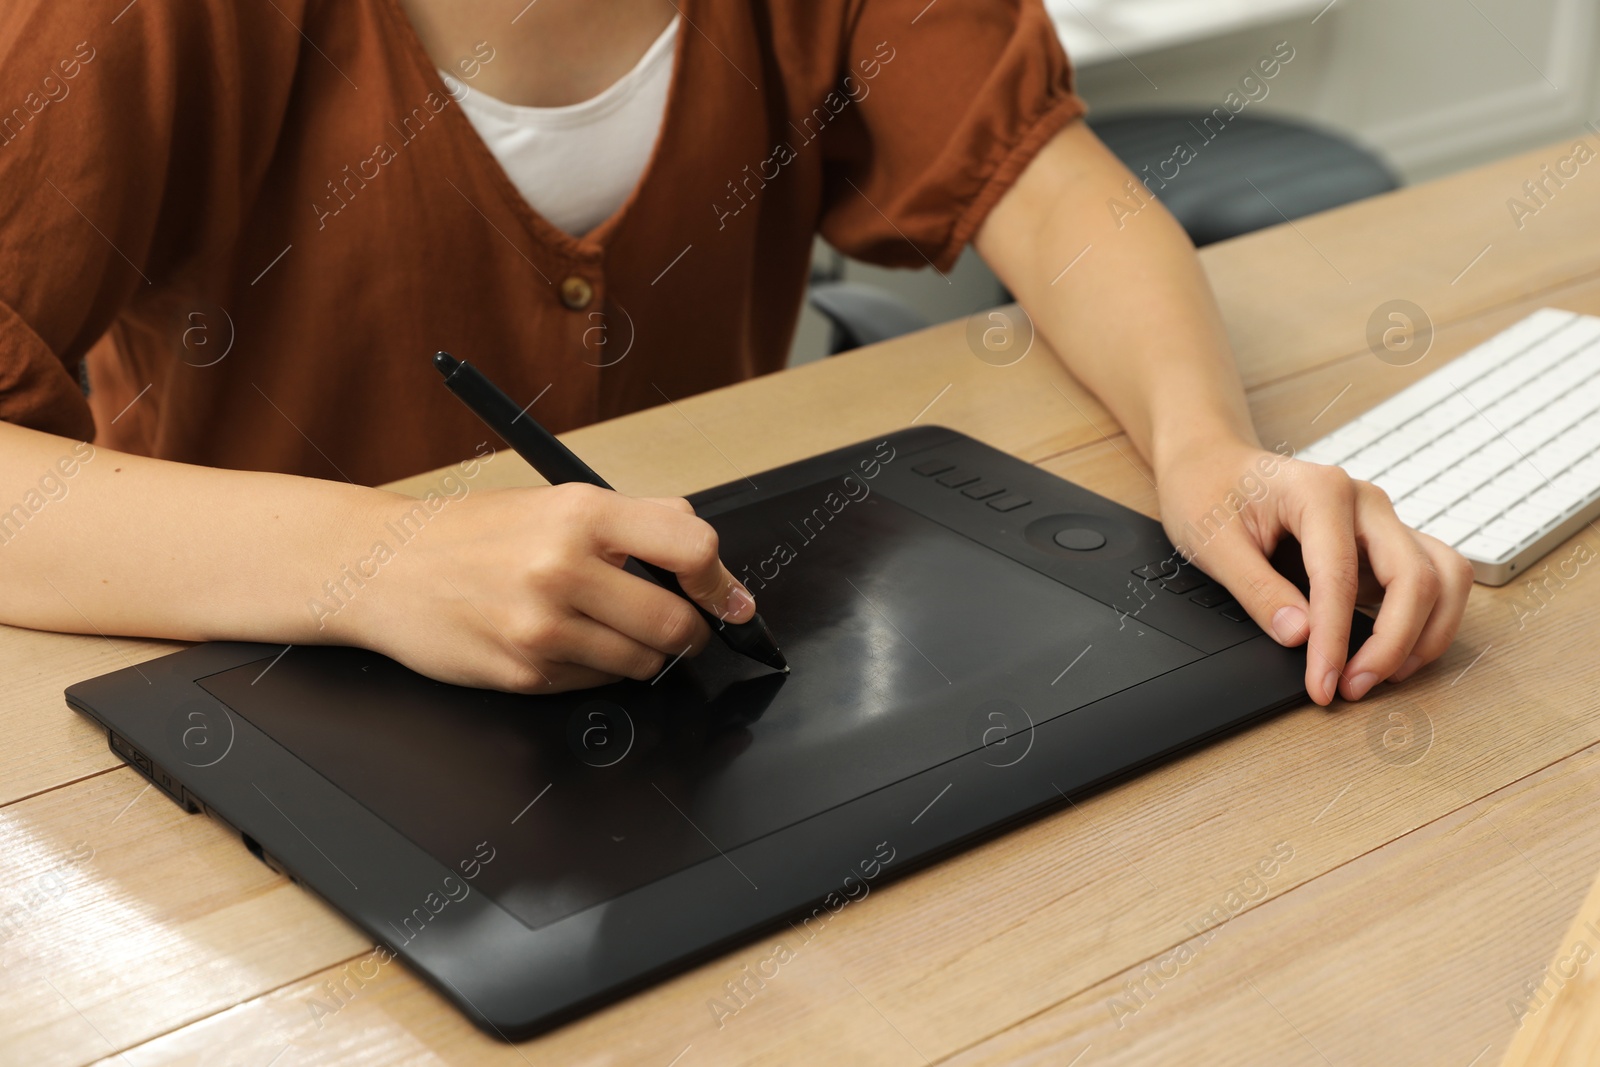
<point x="1226" y="506"/>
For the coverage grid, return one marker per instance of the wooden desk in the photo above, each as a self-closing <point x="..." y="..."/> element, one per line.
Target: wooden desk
<point x="1419" y="888"/>
<point x="1560" y="1010"/>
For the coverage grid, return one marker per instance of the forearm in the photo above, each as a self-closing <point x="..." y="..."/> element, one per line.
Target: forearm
<point x="1134" y="318"/>
<point x="97" y="541"/>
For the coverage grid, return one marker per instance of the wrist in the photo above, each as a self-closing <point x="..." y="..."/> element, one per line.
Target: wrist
<point x="338" y="587"/>
<point x="1180" y="441"/>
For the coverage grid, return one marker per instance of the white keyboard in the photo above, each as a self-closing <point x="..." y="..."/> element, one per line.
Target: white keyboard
<point x="1497" y="453"/>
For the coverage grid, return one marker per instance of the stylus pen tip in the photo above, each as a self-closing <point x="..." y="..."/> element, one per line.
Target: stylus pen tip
<point x="752" y="638"/>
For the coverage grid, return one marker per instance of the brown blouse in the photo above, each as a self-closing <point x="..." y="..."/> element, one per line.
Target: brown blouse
<point x="251" y="224"/>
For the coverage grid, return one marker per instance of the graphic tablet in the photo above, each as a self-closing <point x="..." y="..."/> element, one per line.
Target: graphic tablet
<point x="972" y="640"/>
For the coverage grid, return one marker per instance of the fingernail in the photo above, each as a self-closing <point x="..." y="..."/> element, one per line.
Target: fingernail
<point x="1330" y="685"/>
<point x="1407" y="668"/>
<point x="740" y="606"/>
<point x="1289" y="624"/>
<point x="1361" y="683"/>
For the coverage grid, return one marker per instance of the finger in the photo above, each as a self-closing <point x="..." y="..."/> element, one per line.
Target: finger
<point x="640" y="610"/>
<point x="1271" y="599"/>
<point x="1455" y="576"/>
<point x="583" y="642"/>
<point x="676" y="539"/>
<point x="1325" y="526"/>
<point x="567" y="676"/>
<point x="520" y="672"/>
<point x="1411" y="588"/>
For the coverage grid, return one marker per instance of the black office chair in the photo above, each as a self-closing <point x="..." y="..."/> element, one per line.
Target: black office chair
<point x="862" y="314"/>
<point x="1296" y="170"/>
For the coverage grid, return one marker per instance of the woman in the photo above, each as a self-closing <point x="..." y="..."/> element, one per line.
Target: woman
<point x="241" y="227"/>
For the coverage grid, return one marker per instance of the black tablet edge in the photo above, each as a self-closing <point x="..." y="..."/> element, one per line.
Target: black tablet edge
<point x="515" y="1024"/>
<point x="483" y="934"/>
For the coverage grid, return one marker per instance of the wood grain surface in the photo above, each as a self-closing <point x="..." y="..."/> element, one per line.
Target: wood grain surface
<point x="1557" y="1009"/>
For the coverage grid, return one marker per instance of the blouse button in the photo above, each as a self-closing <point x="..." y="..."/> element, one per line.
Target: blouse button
<point x="576" y="292"/>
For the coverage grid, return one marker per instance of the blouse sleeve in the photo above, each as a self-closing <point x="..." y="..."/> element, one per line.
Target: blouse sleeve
<point x="948" y="102"/>
<point x="130" y="136"/>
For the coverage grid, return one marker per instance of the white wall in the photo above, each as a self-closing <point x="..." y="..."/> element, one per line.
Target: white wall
<point x="1433" y="86"/>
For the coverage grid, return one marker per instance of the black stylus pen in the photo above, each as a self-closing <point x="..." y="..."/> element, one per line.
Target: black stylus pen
<point x="559" y="464"/>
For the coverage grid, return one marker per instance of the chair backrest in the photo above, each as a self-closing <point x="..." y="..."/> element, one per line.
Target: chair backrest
<point x="862" y="314"/>
<point x="1223" y="175"/>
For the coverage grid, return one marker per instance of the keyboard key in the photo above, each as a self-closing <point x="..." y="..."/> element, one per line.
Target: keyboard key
<point x="1449" y="530"/>
<point x="1587" y="468"/>
<point x="1507" y="489"/>
<point x="1477" y="432"/>
<point x="1430" y="462"/>
<point x="1475" y="510"/>
<point x="1409" y="402"/>
<point x="1533" y="515"/>
<point x="1186" y="580"/>
<point x="1492" y="387"/>
<point x="1463" y="479"/>
<point x="1160" y="568"/>
<point x="957" y="478"/>
<point x="1572" y="485"/>
<point x="1563" y="452"/>
<point x="1235" y="612"/>
<point x="931" y="467"/>
<point x="982" y="491"/>
<point x="1346" y="441"/>
<point x="1453" y="410"/>
<point x="1009" y="502"/>
<point x="1508" y="529"/>
<point x="1408" y="440"/>
<point x="1364" y="465"/>
<point x="1441" y="491"/>
<point x="1487" y="549"/>
<point x="1548" y="427"/>
<point x="1453" y="484"/>
<point x="1496" y="454"/>
<point x="1396" y="486"/>
<point x="1550" y="458"/>
<point x="1415" y="512"/>
<point x="1458" y="442"/>
<point x="1546" y="497"/>
<point x="1210" y="598"/>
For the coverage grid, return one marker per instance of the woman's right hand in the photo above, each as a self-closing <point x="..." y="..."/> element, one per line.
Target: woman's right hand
<point x="523" y="589"/>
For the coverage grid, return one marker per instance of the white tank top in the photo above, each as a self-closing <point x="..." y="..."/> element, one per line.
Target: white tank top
<point x="576" y="165"/>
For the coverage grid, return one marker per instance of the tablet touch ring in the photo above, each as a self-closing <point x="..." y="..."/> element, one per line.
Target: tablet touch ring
<point x="1081" y="536"/>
